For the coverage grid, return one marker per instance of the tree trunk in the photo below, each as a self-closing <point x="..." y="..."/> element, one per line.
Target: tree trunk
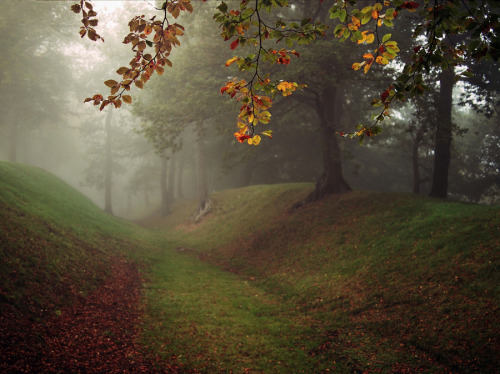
<point x="331" y="181"/>
<point x="180" y="192"/>
<point x="165" y="209"/>
<point x="442" y="147"/>
<point x="13" y="142"/>
<point x="108" y="167"/>
<point x="416" y="160"/>
<point x="202" y="186"/>
<point x="171" y="179"/>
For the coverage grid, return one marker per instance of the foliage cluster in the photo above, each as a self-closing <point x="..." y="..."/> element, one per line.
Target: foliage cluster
<point x="449" y="34"/>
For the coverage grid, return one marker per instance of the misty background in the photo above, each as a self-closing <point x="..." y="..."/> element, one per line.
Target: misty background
<point x="176" y="140"/>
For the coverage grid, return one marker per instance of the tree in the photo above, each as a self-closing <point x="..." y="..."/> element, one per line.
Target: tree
<point x="447" y="34"/>
<point x="27" y="102"/>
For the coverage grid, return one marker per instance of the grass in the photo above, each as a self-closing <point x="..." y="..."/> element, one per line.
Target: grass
<point x="55" y="244"/>
<point x="383" y="282"/>
<point x="361" y="282"/>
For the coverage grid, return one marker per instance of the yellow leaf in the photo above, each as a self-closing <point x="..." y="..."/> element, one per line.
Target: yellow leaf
<point x="367" y="67"/>
<point x="231" y="60"/>
<point x="380" y="22"/>
<point x="381" y="60"/>
<point x="370" y="38"/>
<point x="256" y="140"/>
<point x="356" y="66"/>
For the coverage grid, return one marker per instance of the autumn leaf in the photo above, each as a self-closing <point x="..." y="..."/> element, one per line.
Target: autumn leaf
<point x="231" y="60"/>
<point x="111" y="83"/>
<point x="411" y="6"/>
<point x="368" y="66"/>
<point x="122" y="70"/>
<point x="235" y="43"/>
<point x="255" y="140"/>
<point x="381" y="60"/>
<point x="127" y="99"/>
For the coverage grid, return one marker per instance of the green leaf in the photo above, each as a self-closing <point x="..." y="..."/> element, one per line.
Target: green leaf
<point x="386" y="37"/>
<point x="343" y="15"/>
<point x="222" y="7"/>
<point x="335" y="14"/>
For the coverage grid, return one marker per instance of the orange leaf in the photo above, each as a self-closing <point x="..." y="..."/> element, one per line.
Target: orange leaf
<point x="368" y="56"/>
<point x="231" y="60"/>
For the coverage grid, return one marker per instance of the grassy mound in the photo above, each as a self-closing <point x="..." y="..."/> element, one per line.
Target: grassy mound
<point x="358" y="282"/>
<point x="55" y="243"/>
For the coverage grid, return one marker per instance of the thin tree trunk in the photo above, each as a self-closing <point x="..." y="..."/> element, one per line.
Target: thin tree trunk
<point x="202" y="186"/>
<point x="13" y="142"/>
<point x="416" y="160"/>
<point x="108" y="167"/>
<point x="165" y="209"/>
<point x="331" y="181"/>
<point x="180" y="192"/>
<point x="442" y="148"/>
<point x="171" y="179"/>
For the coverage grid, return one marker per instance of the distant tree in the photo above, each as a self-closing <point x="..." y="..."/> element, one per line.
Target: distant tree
<point x="108" y="148"/>
<point x="32" y="74"/>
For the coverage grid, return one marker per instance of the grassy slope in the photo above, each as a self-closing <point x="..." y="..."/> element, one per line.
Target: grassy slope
<point x="55" y="244"/>
<point x="362" y="281"/>
<point x="371" y="281"/>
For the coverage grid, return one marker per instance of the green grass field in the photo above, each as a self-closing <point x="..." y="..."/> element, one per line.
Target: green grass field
<point x="361" y="282"/>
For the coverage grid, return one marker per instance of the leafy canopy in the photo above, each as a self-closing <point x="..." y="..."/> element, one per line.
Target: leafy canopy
<point x="446" y="34"/>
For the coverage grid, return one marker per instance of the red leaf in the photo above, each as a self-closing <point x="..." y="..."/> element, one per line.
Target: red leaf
<point x="235" y="43"/>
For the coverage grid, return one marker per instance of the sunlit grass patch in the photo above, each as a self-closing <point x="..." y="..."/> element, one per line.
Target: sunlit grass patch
<point x="216" y="322"/>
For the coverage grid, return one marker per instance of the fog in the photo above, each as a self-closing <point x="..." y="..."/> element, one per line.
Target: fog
<point x="176" y="139"/>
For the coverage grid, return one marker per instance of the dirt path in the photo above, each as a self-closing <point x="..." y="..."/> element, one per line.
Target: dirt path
<point x="98" y="334"/>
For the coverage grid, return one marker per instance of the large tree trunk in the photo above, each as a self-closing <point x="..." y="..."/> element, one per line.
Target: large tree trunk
<point x="108" y="167"/>
<point x="442" y="148"/>
<point x="165" y="208"/>
<point x="331" y="181"/>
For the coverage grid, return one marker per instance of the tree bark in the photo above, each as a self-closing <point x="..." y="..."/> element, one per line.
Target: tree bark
<point x="331" y="181"/>
<point x="108" y="168"/>
<point x="442" y="148"/>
